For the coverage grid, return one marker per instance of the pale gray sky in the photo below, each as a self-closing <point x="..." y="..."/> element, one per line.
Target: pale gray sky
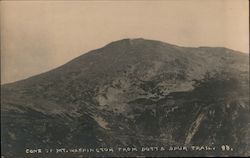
<point x="37" y="36"/>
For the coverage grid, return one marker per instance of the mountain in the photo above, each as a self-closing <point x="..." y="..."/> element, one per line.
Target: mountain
<point x="132" y="93"/>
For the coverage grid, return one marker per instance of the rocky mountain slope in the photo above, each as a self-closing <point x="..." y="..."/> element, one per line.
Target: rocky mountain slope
<point x="133" y="93"/>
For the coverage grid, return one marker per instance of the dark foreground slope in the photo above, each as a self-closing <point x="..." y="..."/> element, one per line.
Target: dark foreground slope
<point x="132" y="93"/>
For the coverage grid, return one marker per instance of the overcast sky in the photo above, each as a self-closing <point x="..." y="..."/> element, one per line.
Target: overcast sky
<point x="38" y="36"/>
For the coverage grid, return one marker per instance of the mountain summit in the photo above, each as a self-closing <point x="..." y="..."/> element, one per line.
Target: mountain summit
<point x="133" y="92"/>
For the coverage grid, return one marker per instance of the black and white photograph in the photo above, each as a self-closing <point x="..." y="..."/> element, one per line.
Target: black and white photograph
<point x="125" y="78"/>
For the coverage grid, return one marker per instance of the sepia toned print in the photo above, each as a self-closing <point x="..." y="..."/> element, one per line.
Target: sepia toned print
<point x="124" y="78"/>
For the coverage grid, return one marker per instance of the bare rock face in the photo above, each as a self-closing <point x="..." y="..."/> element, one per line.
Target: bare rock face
<point x="136" y="93"/>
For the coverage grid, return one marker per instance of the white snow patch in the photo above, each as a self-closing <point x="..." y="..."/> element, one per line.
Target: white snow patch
<point x="101" y="121"/>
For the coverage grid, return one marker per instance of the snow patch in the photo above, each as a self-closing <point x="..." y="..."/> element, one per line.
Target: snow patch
<point x="101" y="121"/>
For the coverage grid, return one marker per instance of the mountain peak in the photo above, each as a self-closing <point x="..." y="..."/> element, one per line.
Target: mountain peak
<point x="128" y="40"/>
<point x="142" y="54"/>
<point x="141" y="42"/>
<point x="131" y="91"/>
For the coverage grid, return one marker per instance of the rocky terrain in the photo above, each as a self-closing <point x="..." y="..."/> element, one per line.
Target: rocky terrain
<point x="132" y="93"/>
